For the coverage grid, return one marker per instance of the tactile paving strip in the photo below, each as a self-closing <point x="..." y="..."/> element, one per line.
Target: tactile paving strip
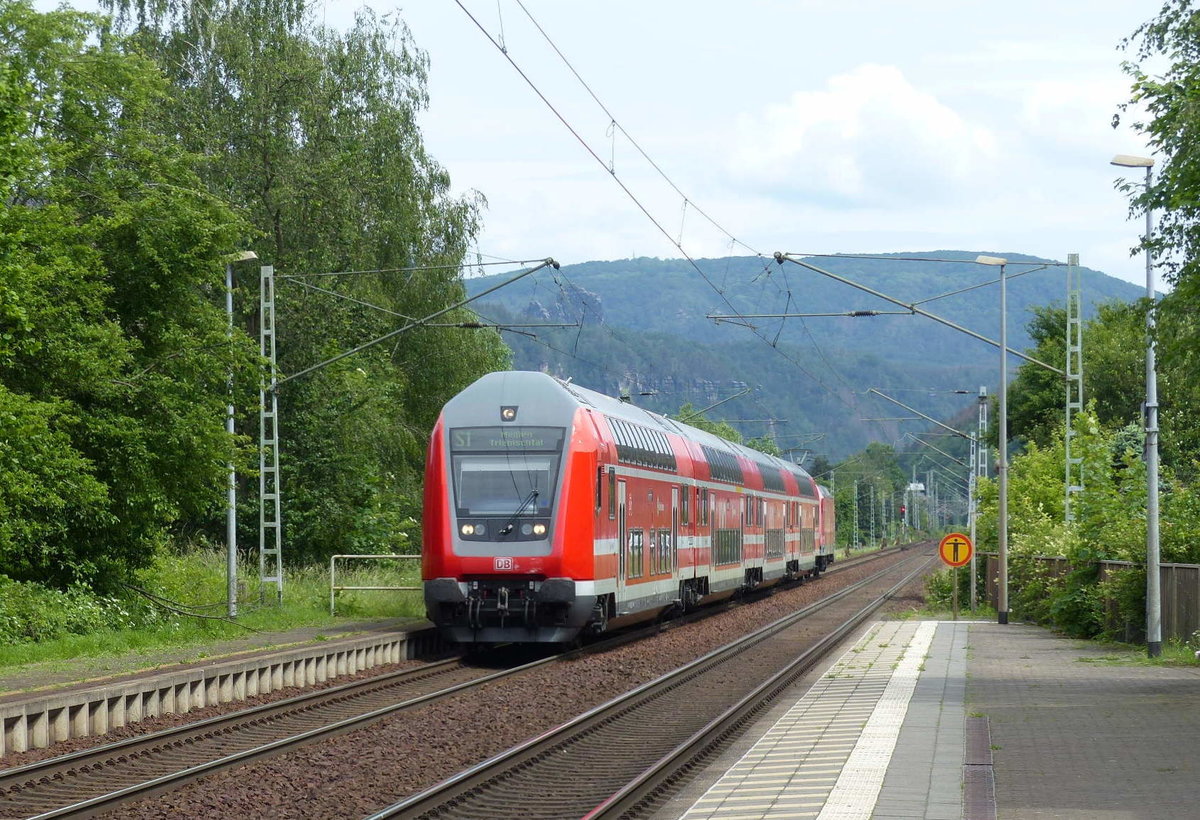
<point x="833" y="746"/>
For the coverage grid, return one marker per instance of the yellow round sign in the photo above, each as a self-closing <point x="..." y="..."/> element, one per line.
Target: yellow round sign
<point x="956" y="549"/>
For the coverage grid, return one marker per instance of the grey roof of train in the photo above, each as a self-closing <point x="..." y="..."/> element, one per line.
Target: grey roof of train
<point x="639" y="415"/>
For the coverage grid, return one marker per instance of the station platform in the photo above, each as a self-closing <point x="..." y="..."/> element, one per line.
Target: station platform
<point x="43" y="704"/>
<point x="962" y="719"/>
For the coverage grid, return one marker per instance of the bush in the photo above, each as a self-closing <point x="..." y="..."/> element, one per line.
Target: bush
<point x="30" y="612"/>
<point x="939" y="589"/>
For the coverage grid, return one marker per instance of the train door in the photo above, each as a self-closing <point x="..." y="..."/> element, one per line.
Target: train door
<point x="622" y="537"/>
<point x="674" y="529"/>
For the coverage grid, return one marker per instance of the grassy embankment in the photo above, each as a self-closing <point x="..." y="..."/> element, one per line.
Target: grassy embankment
<point x="39" y="625"/>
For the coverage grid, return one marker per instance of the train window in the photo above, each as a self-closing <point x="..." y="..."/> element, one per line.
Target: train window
<point x="622" y="435"/>
<point x="661" y="560"/>
<point x="704" y="506"/>
<point x="683" y="509"/>
<point x="727" y="547"/>
<point x="491" y="484"/>
<point x="636" y="565"/>
<point x="612" y="492"/>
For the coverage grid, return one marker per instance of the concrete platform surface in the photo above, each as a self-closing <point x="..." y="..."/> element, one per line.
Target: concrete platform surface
<point x="946" y="720"/>
<point x="1080" y="731"/>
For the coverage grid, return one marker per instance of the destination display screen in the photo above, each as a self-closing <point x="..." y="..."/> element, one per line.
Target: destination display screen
<point x="506" y="439"/>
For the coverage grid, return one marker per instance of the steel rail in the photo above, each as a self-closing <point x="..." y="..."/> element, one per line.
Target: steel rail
<point x="20" y="785"/>
<point x="451" y="791"/>
<point x="659" y="776"/>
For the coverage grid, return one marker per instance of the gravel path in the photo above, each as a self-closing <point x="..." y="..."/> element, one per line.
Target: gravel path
<point x="354" y="774"/>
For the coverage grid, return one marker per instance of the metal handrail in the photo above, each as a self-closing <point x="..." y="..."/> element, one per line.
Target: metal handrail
<point x="334" y="588"/>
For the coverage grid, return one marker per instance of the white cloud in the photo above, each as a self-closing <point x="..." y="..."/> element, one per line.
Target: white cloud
<point x="1074" y="116"/>
<point x="869" y="138"/>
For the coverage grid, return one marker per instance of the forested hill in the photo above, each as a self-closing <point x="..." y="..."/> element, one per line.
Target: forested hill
<point x="643" y="330"/>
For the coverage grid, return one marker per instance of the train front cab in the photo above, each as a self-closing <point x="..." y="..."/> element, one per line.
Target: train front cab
<point x="510" y="495"/>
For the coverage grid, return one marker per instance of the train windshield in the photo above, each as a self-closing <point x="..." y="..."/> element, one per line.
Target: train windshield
<point x="505" y="471"/>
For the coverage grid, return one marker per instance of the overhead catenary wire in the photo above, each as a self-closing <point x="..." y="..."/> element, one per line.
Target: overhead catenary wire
<point x="614" y="124"/>
<point x="641" y="206"/>
<point x="884" y="257"/>
<point x="686" y="201"/>
<point x="413" y="268"/>
<point x="548" y="262"/>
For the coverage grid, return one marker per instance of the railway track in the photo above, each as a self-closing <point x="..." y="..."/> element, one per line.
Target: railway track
<point x="96" y="780"/>
<point x="622" y="756"/>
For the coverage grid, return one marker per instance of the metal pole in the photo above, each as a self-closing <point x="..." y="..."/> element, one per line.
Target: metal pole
<point x="981" y="468"/>
<point x="856" y="545"/>
<point x="972" y="512"/>
<point x="1153" y="592"/>
<point x="231" y="490"/>
<point x="1002" y="460"/>
<point x="873" y="534"/>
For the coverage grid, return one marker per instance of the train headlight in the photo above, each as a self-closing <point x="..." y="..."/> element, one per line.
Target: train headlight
<point x="539" y="529"/>
<point x="467" y="529"/>
<point x="526" y="529"/>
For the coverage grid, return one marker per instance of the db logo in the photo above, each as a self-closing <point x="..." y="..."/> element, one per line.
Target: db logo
<point x="504" y="564"/>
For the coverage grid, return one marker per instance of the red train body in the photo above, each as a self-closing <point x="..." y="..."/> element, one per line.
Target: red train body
<point x="551" y="510"/>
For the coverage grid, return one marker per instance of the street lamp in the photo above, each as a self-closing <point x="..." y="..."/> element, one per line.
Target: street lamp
<point x="1153" y="592"/>
<point x="231" y="490"/>
<point x="1002" y="459"/>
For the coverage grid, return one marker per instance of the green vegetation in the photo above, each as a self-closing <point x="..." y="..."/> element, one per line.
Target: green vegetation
<point x="113" y="348"/>
<point x="40" y="625"/>
<point x="311" y="133"/>
<point x="139" y="154"/>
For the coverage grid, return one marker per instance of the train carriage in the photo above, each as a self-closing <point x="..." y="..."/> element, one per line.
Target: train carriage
<point x="551" y="510"/>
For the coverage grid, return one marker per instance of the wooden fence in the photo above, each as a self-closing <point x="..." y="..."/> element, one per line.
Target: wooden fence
<point x="1180" y="594"/>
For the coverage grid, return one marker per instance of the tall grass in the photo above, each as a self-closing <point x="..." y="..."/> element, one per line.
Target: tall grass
<point x="40" y="625"/>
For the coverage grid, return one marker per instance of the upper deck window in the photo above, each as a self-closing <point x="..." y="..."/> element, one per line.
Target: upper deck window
<point x="642" y="446"/>
<point x="723" y="465"/>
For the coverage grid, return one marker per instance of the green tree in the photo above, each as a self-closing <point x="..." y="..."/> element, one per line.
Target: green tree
<point x="313" y="133"/>
<point x="877" y="474"/>
<point x="1113" y="374"/>
<point x="1171" y="42"/>
<point x="113" y="352"/>
<point x="764" y="444"/>
<point x="1173" y="132"/>
<point x="688" y="415"/>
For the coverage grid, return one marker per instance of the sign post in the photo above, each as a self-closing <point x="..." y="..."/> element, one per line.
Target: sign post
<point x="956" y="550"/>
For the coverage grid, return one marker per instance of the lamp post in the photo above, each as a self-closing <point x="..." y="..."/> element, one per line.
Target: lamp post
<point x="1153" y="591"/>
<point x="231" y="490"/>
<point x="1002" y="456"/>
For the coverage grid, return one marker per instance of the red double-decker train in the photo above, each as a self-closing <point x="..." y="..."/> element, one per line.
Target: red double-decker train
<point x="553" y="510"/>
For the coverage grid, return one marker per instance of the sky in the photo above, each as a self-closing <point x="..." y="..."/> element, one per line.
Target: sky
<point x="809" y="126"/>
<point x="803" y="126"/>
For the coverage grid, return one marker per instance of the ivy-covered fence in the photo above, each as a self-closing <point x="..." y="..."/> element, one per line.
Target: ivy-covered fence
<point x="1097" y="597"/>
